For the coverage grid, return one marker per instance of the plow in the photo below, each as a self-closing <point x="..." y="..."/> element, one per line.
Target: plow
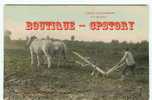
<point x="97" y="68"/>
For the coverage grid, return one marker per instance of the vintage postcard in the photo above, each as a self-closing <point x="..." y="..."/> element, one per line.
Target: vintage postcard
<point x="76" y="52"/>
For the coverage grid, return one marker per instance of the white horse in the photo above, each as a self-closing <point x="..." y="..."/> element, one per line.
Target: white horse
<point x="46" y="47"/>
<point x="59" y="51"/>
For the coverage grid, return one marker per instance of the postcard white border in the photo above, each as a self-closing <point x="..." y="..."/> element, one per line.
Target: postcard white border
<point x="147" y="2"/>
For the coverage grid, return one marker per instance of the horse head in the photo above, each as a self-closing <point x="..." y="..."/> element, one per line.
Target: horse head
<point x="30" y="40"/>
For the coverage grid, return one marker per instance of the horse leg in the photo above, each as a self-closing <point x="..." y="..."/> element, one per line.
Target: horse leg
<point x="47" y="55"/>
<point x="49" y="61"/>
<point x="38" y="62"/>
<point x="58" y="61"/>
<point x="64" y="57"/>
<point x="32" y="60"/>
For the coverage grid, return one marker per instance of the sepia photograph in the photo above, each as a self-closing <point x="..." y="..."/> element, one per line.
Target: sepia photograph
<point x="76" y="52"/>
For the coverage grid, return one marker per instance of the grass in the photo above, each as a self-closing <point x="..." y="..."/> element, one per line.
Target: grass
<point x="72" y="82"/>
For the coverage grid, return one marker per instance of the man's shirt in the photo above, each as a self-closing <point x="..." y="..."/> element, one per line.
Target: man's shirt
<point x="128" y="58"/>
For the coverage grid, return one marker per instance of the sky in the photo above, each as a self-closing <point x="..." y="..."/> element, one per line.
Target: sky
<point x="16" y="16"/>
